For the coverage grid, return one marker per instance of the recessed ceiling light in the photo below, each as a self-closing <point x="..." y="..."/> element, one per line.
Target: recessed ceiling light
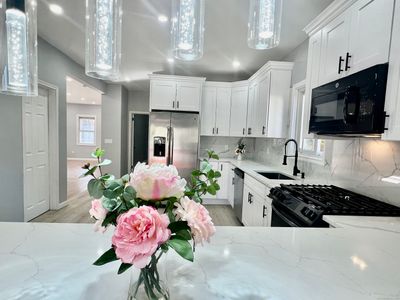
<point x="93" y="102"/>
<point x="236" y="64"/>
<point x="69" y="79"/>
<point x="83" y="99"/>
<point x="162" y="18"/>
<point x="127" y="79"/>
<point x="170" y="60"/>
<point x="56" y="9"/>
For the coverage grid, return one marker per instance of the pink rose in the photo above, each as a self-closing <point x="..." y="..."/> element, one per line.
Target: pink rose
<point x="157" y="182"/>
<point x="138" y="234"/>
<point x="198" y="219"/>
<point x="99" y="213"/>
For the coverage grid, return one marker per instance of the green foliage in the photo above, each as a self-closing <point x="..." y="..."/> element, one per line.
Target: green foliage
<point x="182" y="247"/>
<point x="106" y="258"/>
<point x="123" y="267"/>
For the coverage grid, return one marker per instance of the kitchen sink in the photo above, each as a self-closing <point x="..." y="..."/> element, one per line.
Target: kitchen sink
<point x="275" y="176"/>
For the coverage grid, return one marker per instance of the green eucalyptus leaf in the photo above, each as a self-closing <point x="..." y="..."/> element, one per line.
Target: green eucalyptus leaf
<point x="183" y="235"/>
<point x="212" y="190"/>
<point x="95" y="188"/>
<point x="217" y="174"/>
<point x="105" y="162"/>
<point x="182" y="247"/>
<point x="205" y="166"/>
<point x="178" y="226"/>
<point x="123" y="267"/>
<point x="106" y="258"/>
<point x="110" y="204"/>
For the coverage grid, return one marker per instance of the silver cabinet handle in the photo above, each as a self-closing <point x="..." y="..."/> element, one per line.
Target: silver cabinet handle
<point x="264" y="211"/>
<point x="233" y="180"/>
<point x="263" y="130"/>
<point x="250" y="198"/>
<point x="249" y="131"/>
<point x="213" y="130"/>
<point x="173" y="104"/>
<point x="217" y="130"/>
<point x="222" y="167"/>
<point x="244" y="130"/>
<point x="177" y="104"/>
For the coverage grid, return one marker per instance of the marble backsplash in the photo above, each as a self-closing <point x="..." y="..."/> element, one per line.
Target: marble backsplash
<point x="225" y="146"/>
<point x="355" y="164"/>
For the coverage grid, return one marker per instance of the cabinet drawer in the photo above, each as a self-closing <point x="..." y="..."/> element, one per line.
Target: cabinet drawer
<point x="256" y="186"/>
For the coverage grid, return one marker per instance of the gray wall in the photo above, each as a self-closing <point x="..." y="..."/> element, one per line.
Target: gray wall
<point x="73" y="149"/>
<point x="54" y="66"/>
<point x="124" y="131"/>
<point x="299" y="57"/>
<point x="11" y="160"/>
<point x="139" y="101"/>
<point x="111" y="127"/>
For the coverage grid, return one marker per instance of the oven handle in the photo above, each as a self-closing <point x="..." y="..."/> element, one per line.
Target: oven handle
<point x="283" y="217"/>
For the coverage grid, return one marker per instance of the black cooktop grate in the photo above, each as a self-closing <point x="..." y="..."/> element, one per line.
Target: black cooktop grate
<point x="334" y="200"/>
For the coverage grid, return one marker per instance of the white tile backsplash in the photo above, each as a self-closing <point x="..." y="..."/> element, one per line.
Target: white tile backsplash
<point x="225" y="146"/>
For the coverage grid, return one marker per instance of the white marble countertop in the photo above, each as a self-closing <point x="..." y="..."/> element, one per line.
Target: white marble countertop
<point x="380" y="223"/>
<point x="54" y="261"/>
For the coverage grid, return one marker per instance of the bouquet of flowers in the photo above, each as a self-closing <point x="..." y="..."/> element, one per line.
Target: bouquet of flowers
<point x="240" y="148"/>
<point x="153" y="210"/>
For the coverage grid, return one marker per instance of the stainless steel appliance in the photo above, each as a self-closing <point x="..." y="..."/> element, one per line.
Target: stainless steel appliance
<point x="305" y="205"/>
<point x="351" y="106"/>
<point x="238" y="193"/>
<point x="174" y="139"/>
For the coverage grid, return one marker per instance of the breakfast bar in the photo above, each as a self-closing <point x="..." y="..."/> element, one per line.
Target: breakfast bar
<point x="54" y="261"/>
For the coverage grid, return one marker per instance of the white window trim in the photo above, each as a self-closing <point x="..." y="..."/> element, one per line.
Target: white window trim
<point x="79" y="116"/>
<point x="298" y="91"/>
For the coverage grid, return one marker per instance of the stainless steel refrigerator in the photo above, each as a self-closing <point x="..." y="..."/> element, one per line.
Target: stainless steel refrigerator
<point x="174" y="140"/>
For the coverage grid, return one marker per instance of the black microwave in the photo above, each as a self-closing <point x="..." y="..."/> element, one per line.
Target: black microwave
<point x="351" y="106"/>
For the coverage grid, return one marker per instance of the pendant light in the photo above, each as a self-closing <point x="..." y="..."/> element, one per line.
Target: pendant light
<point x="264" y="27"/>
<point x="187" y="29"/>
<point x="18" y="57"/>
<point x="103" y="38"/>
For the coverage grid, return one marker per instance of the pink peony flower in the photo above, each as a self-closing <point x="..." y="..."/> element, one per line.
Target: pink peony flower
<point x="198" y="219"/>
<point x="157" y="182"/>
<point x="138" y="234"/>
<point x="99" y="213"/>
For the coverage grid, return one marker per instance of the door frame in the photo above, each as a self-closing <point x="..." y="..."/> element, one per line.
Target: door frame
<point x="131" y="131"/>
<point x="53" y="143"/>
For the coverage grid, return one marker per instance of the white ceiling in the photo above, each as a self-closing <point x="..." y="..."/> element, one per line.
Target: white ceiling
<point x="79" y="93"/>
<point x="145" y="41"/>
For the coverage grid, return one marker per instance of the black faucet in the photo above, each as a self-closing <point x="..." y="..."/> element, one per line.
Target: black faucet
<point x="296" y="156"/>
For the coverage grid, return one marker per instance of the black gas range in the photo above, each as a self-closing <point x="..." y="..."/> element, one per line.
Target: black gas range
<point x="305" y="205"/>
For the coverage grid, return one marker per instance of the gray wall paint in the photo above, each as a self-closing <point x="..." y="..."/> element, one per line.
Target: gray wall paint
<point x="299" y="57"/>
<point x="124" y="131"/>
<point x="139" y="101"/>
<point x="111" y="127"/>
<point x="54" y="66"/>
<point x="11" y="160"/>
<point x="73" y="110"/>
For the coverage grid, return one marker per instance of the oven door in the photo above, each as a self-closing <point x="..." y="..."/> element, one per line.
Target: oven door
<point x="280" y="218"/>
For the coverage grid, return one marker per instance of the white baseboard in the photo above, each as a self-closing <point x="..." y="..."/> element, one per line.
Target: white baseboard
<point x="85" y="159"/>
<point x="216" y="201"/>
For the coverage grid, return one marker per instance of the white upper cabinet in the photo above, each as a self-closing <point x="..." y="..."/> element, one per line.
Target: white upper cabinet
<point x="335" y="44"/>
<point x="238" y="122"/>
<point x="264" y="88"/>
<point x="356" y="39"/>
<point x="370" y="32"/>
<point x="252" y="109"/>
<point x="176" y="93"/>
<point x="215" y="111"/>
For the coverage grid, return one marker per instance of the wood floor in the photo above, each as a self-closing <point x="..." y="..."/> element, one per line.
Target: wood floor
<point x="79" y="204"/>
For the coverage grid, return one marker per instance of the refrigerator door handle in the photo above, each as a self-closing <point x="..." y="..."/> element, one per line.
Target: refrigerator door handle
<point x="169" y="145"/>
<point x="172" y="145"/>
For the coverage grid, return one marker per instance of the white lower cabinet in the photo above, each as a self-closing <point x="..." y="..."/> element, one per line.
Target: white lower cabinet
<point x="256" y="205"/>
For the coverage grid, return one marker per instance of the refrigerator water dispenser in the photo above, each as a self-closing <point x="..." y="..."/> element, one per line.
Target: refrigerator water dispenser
<point x="159" y="146"/>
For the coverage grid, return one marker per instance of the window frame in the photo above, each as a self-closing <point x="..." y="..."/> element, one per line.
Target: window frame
<point x="78" y="130"/>
<point x="297" y="123"/>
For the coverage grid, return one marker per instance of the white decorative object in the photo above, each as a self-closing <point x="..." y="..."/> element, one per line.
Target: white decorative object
<point x="18" y="24"/>
<point x="187" y="29"/>
<point x="103" y="38"/>
<point x="264" y="28"/>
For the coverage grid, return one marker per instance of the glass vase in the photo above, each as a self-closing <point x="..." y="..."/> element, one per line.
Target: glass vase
<point x="150" y="283"/>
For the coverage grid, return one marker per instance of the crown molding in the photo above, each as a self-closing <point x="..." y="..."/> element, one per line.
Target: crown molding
<point x="176" y="77"/>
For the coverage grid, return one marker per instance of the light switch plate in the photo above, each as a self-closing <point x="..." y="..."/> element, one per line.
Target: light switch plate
<point x="107" y="141"/>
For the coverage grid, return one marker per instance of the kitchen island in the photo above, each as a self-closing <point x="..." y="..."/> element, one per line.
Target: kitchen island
<point x="54" y="261"/>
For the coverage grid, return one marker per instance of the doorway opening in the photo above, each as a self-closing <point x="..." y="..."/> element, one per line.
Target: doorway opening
<point x="84" y="105"/>
<point x="138" y="138"/>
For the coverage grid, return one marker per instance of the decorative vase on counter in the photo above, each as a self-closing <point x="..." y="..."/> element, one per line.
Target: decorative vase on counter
<point x="150" y="283"/>
<point x="240" y="156"/>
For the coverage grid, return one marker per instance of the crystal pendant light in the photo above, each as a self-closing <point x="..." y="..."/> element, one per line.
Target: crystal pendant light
<point x="264" y="27"/>
<point x="18" y="58"/>
<point x="187" y="29"/>
<point x="103" y="38"/>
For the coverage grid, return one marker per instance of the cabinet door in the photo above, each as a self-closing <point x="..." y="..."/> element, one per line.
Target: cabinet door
<point x="188" y="96"/>
<point x="208" y="111"/>
<point x="252" y="109"/>
<point x="223" y="181"/>
<point x="231" y="185"/>
<point x="370" y="32"/>
<point x="267" y="211"/>
<point x="335" y="42"/>
<point x="162" y="94"/>
<point x="223" y="111"/>
<point x="257" y="210"/>
<point x="263" y="105"/>
<point x="238" y="111"/>
<point x="247" y="208"/>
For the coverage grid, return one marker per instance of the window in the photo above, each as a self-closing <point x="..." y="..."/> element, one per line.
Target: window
<point x="308" y="148"/>
<point x="86" y="130"/>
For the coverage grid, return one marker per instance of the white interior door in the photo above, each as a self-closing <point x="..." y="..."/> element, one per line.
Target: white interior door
<point x="36" y="156"/>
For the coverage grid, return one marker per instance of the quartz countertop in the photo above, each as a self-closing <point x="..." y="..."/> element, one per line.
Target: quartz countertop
<point x="379" y="223"/>
<point x="54" y="261"/>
